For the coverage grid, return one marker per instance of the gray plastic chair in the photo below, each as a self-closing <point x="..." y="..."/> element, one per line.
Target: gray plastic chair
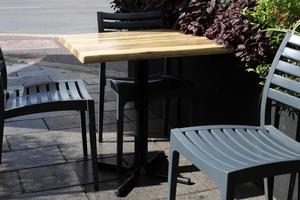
<point x="48" y="97"/>
<point x="231" y="155"/>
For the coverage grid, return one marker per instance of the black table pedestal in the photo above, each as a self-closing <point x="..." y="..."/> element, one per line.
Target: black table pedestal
<point x="141" y="163"/>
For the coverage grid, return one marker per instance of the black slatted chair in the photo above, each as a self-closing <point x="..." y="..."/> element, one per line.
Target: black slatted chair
<point x="160" y="86"/>
<point x="48" y="97"/>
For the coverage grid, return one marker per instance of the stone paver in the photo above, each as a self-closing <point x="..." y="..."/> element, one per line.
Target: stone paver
<point x="50" y="177"/>
<point x="210" y="195"/>
<point x="31" y="158"/>
<point x="73" y="121"/>
<point x="85" y="176"/>
<point x="9" y="184"/>
<point x="19" y="68"/>
<point x="51" y="138"/>
<point x="24" y="126"/>
<point x="71" y="193"/>
<point x="63" y="122"/>
<point x="147" y="188"/>
<point x="43" y="115"/>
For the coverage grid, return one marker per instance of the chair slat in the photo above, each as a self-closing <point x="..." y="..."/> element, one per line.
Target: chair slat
<point x="129" y="21"/>
<point x="295" y="39"/>
<point x="260" y="147"/>
<point x="235" y="147"/>
<point x="12" y="99"/>
<point x="83" y="92"/>
<point x="32" y="96"/>
<point x="284" y="98"/>
<point x="54" y="94"/>
<point x="19" y="97"/>
<point x="283" y="139"/>
<point x="63" y="91"/>
<point x="131" y="16"/>
<point x="266" y="136"/>
<point x="291" y="53"/>
<point x="197" y="153"/>
<point x="245" y="144"/>
<point x="215" y="144"/>
<point x="73" y="90"/>
<point x="288" y="68"/>
<point x="133" y="25"/>
<point x="43" y="93"/>
<point x="25" y="97"/>
<point x="286" y="83"/>
<point x="263" y="143"/>
<point x="203" y="147"/>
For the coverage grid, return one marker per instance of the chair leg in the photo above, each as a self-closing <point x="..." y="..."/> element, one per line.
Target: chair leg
<point x="166" y="116"/>
<point x="292" y="186"/>
<point x="92" y="130"/>
<point x="120" y="125"/>
<point x="269" y="186"/>
<point x="1" y="138"/>
<point x="298" y="186"/>
<point x="227" y="193"/>
<point x="102" y="83"/>
<point x="83" y="134"/>
<point x="173" y="174"/>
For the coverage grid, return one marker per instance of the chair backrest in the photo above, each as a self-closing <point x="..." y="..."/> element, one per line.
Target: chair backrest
<point x="129" y="21"/>
<point x="3" y="71"/>
<point x="282" y="84"/>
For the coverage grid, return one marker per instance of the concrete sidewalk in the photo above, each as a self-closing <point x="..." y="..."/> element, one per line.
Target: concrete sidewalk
<point x="50" y="16"/>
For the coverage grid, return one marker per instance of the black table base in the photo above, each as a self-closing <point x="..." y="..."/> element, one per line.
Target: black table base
<point x="141" y="164"/>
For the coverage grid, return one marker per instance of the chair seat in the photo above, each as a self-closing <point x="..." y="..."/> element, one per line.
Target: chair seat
<point x="232" y="149"/>
<point x="49" y="92"/>
<point x="159" y="86"/>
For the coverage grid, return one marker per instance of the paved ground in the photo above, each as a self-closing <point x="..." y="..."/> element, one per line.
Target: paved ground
<point x="43" y="153"/>
<point x="50" y="16"/>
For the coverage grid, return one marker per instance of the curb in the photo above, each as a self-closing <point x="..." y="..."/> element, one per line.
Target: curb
<point x="31" y="35"/>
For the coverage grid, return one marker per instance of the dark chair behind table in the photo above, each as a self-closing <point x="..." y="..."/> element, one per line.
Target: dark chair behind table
<point x="48" y="97"/>
<point x="160" y="85"/>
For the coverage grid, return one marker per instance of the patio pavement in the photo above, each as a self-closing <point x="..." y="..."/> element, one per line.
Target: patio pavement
<point x="43" y="153"/>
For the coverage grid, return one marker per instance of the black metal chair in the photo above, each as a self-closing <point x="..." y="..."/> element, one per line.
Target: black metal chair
<point x="160" y="86"/>
<point x="48" y="97"/>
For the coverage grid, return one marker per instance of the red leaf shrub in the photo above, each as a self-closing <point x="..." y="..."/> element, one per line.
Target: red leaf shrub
<point x="232" y="29"/>
<point x="196" y="16"/>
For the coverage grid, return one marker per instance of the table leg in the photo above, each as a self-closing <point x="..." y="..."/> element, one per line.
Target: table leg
<point x="141" y="138"/>
<point x="102" y="83"/>
<point x="141" y="163"/>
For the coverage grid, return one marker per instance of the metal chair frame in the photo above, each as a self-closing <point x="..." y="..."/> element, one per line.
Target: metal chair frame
<point x="231" y="154"/>
<point x="48" y="97"/>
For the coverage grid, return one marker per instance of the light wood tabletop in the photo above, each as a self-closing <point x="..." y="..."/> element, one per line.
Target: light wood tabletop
<point x="138" y="45"/>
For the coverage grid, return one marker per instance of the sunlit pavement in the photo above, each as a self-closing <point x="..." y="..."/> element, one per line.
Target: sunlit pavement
<point x="50" y="16"/>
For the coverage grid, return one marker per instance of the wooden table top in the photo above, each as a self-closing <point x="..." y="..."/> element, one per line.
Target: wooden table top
<point x="135" y="45"/>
